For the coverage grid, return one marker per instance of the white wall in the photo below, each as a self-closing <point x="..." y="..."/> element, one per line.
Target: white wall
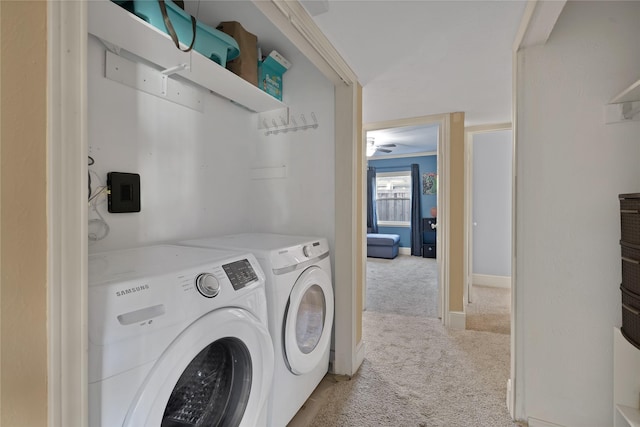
<point x="196" y="167"/>
<point x="303" y="202"/>
<point x="193" y="167"/>
<point x="571" y="167"/>
<point x="492" y="175"/>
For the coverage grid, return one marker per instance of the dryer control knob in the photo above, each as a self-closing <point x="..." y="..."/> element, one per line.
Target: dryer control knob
<point x="208" y="285"/>
<point x="310" y="251"/>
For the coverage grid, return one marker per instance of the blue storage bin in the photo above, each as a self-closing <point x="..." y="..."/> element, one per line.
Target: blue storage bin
<point x="212" y="43"/>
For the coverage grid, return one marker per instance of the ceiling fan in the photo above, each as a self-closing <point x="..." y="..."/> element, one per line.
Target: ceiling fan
<point x="372" y="147"/>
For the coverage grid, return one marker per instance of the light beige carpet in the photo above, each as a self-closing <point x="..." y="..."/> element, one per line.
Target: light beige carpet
<point x="405" y="285"/>
<point x="415" y="372"/>
<point x="490" y="310"/>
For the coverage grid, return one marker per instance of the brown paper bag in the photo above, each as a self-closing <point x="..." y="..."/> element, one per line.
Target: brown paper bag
<point x="245" y="65"/>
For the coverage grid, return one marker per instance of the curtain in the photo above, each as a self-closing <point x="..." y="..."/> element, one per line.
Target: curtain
<point x="372" y="217"/>
<point x="416" y="215"/>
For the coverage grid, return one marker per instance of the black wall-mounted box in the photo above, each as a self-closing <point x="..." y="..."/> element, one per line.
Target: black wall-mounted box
<point x="124" y="192"/>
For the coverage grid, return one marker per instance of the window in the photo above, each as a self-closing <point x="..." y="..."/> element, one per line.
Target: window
<point x="393" y="198"/>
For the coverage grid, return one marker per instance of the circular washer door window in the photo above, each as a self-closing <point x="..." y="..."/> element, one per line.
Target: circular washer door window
<point x="213" y="390"/>
<point x="308" y="320"/>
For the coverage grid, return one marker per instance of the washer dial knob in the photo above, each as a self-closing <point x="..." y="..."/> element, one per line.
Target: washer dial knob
<point x="208" y="285"/>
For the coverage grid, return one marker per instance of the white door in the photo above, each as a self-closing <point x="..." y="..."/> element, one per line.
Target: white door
<point x="308" y="320"/>
<point x="217" y="372"/>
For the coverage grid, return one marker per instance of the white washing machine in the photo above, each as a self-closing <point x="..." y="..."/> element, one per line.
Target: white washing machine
<point x="178" y="337"/>
<point x="300" y="304"/>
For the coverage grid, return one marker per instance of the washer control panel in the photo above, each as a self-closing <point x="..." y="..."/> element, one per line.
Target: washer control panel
<point x="240" y="273"/>
<point x="154" y="293"/>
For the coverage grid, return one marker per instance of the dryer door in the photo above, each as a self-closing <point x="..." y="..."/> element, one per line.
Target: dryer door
<point x="218" y="372"/>
<point x="308" y="320"/>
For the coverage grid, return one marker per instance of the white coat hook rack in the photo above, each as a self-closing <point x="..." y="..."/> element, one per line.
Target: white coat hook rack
<point x="292" y="125"/>
<point x="284" y="123"/>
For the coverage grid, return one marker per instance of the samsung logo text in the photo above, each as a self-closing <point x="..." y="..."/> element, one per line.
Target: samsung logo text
<point x="132" y="290"/>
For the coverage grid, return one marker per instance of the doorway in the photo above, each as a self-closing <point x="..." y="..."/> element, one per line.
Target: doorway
<point x="489" y="153"/>
<point x="393" y="146"/>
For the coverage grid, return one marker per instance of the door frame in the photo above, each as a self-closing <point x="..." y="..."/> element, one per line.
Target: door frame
<point x="67" y="213"/>
<point x="442" y="231"/>
<point x="469" y="132"/>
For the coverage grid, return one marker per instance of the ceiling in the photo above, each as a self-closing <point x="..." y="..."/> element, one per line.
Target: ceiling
<point x="413" y="58"/>
<point x="405" y="140"/>
<point x="418" y="58"/>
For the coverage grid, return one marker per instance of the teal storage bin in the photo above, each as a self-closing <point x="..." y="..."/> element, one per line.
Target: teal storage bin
<point x="212" y="43"/>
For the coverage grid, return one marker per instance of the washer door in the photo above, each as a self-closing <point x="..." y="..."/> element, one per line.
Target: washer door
<point x="308" y="320"/>
<point x="218" y="372"/>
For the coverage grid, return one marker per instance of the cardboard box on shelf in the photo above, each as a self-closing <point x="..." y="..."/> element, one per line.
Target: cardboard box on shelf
<point x="270" y="73"/>
<point x="245" y="65"/>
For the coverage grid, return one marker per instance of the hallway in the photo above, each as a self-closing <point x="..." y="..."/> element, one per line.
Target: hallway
<point x="415" y="372"/>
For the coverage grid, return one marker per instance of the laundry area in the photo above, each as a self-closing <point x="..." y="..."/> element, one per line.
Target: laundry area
<point x="211" y="218"/>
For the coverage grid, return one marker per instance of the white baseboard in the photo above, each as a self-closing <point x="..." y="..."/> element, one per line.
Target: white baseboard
<point x="457" y="320"/>
<point x="534" y="422"/>
<point x="358" y="358"/>
<point x="404" y="251"/>
<point x="509" y="398"/>
<point x="492" y="281"/>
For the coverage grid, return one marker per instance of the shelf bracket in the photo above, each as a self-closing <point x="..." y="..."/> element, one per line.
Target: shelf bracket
<point x="110" y="46"/>
<point x="164" y="75"/>
<point x="176" y="69"/>
<point x="153" y="82"/>
<point x="629" y="111"/>
<point x="622" y="112"/>
<point x="625" y="106"/>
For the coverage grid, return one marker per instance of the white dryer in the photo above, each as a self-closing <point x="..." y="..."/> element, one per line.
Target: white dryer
<point x="300" y="304"/>
<point x="177" y="337"/>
